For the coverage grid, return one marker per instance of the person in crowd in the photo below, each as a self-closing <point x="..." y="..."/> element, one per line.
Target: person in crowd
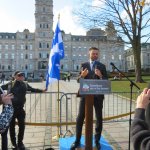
<point x="93" y="69"/>
<point x="2" y="78"/>
<point x="68" y="76"/>
<point x="7" y="112"/>
<point x="19" y="88"/>
<point x="140" y="132"/>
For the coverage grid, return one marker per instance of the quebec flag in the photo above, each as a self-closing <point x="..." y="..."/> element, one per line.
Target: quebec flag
<point x="56" y="53"/>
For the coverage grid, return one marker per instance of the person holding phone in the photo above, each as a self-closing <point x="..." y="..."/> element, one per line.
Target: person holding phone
<point x="7" y="112"/>
<point x="140" y="131"/>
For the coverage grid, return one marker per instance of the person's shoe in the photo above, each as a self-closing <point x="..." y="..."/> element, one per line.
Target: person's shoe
<point x="74" y="145"/>
<point x="98" y="146"/>
<point x="14" y="146"/>
<point x="21" y="146"/>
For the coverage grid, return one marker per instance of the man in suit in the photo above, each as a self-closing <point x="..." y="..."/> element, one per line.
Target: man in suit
<point x="92" y="69"/>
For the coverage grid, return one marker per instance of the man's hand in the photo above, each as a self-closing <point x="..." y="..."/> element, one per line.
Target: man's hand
<point x="44" y="90"/>
<point x="98" y="73"/>
<point x="143" y="99"/>
<point x="6" y="99"/>
<point x="84" y="73"/>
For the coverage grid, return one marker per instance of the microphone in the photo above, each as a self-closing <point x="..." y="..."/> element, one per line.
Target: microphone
<point x="112" y="64"/>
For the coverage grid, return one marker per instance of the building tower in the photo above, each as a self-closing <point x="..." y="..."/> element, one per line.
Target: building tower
<point x="43" y="32"/>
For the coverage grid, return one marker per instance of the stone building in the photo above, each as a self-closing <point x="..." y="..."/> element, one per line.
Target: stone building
<point x="29" y="52"/>
<point x="145" y="58"/>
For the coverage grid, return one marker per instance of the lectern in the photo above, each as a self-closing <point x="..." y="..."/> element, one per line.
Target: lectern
<point x="89" y="88"/>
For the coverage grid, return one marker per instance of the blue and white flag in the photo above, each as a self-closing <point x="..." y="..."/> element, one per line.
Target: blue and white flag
<point x="56" y="53"/>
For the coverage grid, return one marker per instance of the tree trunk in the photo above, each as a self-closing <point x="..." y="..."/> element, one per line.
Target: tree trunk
<point x="137" y="61"/>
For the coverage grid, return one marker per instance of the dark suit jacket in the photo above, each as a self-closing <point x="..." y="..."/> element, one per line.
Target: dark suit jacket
<point x="91" y="74"/>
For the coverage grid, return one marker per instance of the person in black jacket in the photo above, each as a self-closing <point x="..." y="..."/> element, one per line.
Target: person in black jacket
<point x="140" y="132"/>
<point x="19" y="88"/>
<point x="92" y="69"/>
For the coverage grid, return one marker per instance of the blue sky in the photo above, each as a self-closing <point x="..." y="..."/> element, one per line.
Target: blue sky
<point x="17" y="15"/>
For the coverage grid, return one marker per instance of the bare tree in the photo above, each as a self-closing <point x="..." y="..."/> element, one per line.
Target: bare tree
<point x="131" y="19"/>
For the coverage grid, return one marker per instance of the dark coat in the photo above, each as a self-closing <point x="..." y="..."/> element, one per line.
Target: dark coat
<point x="140" y="132"/>
<point x="91" y="74"/>
<point x="19" y="90"/>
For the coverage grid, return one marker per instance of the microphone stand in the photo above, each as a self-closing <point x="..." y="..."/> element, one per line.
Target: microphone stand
<point x="131" y="92"/>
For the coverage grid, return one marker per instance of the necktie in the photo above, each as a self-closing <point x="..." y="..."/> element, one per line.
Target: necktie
<point x="92" y="64"/>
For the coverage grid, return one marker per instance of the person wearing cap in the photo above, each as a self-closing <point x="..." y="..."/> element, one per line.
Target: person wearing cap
<point x="19" y="88"/>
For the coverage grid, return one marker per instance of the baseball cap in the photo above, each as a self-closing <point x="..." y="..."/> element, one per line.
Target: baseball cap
<point x="19" y="73"/>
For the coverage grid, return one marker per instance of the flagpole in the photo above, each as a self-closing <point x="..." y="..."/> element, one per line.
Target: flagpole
<point x="56" y="53"/>
<point x="58" y="127"/>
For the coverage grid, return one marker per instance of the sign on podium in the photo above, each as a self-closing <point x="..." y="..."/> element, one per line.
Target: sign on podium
<point x="94" y="87"/>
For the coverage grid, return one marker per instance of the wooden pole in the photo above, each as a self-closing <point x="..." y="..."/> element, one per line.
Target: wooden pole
<point x="58" y="102"/>
<point x="89" y="100"/>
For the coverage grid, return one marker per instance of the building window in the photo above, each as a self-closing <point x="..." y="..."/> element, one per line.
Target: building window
<point x="47" y="55"/>
<point x="12" y="46"/>
<point x="104" y="57"/>
<point x="0" y="56"/>
<point x="30" y="46"/>
<point x="44" y="55"/>
<point x="0" y="46"/>
<point x="22" y="56"/>
<point x="30" y="66"/>
<point x="12" y="56"/>
<point x="26" y="57"/>
<point x="13" y="67"/>
<point x="22" y="46"/>
<point x="26" y="67"/>
<point x="47" y="45"/>
<point x="119" y="57"/>
<point x="30" y="56"/>
<point x="9" y="67"/>
<point x="44" y="45"/>
<point x="39" y="55"/>
<point x="40" y="45"/>
<point x="112" y="57"/>
<point x="6" y="46"/>
<point x="6" y="56"/>
<point x="26" y="47"/>
<point x="43" y="9"/>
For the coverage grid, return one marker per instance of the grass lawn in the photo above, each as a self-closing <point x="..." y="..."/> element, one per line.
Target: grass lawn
<point x="124" y="85"/>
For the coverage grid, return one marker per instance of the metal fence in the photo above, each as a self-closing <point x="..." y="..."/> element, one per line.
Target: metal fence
<point x="43" y="108"/>
<point x="49" y="115"/>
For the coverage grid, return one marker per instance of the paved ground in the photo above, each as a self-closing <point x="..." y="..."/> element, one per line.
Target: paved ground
<point x="36" y="137"/>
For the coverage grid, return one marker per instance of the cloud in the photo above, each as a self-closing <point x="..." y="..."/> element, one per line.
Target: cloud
<point x="97" y="3"/>
<point x="17" y="17"/>
<point x="68" y="22"/>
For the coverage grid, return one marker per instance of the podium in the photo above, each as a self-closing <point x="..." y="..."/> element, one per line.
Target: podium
<point x="89" y="88"/>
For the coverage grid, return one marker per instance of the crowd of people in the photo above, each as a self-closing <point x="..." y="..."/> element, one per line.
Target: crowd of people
<point x="18" y="88"/>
